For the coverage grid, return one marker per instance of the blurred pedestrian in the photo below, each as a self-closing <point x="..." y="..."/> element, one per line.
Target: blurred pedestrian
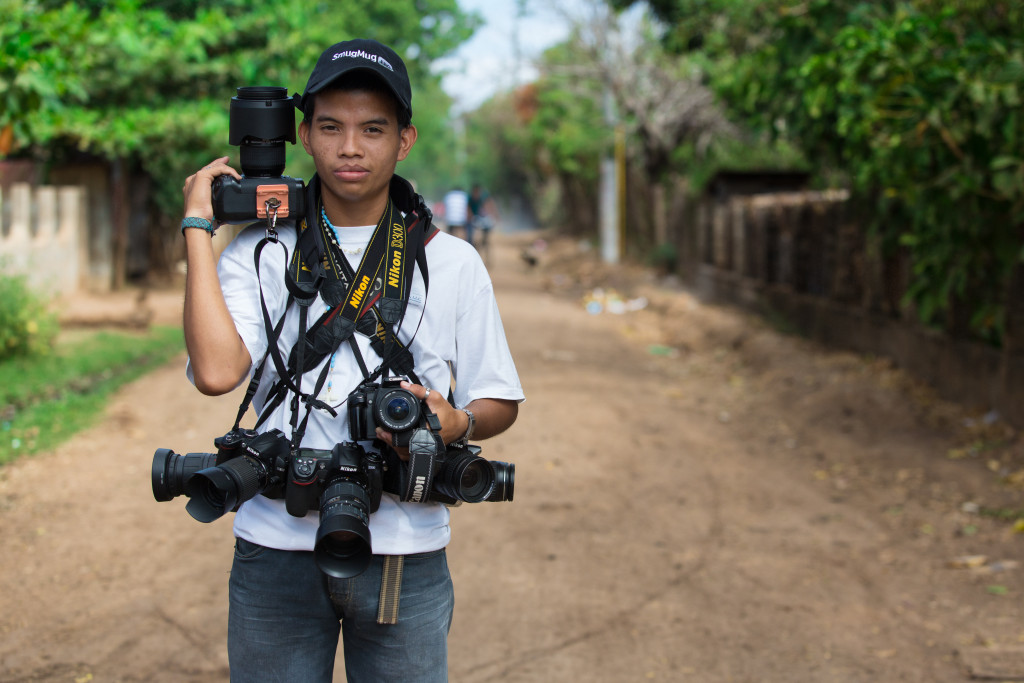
<point x="482" y="214"/>
<point x="456" y="211"/>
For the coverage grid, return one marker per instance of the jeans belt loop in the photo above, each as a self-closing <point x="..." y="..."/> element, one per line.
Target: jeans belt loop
<point x="390" y="589"/>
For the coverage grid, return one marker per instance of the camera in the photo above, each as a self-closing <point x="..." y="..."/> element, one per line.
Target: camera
<point x="449" y="475"/>
<point x="261" y="119"/>
<point x="246" y="464"/>
<point x="384" y="405"/>
<point x="345" y="483"/>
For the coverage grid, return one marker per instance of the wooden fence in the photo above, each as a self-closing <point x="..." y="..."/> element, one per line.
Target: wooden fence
<point x="800" y="255"/>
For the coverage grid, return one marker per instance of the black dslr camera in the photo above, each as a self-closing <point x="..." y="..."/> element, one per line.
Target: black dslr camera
<point x="245" y="465"/>
<point x="433" y="472"/>
<point x="345" y="483"/>
<point x="385" y="405"/>
<point x="449" y="475"/>
<point x="261" y="120"/>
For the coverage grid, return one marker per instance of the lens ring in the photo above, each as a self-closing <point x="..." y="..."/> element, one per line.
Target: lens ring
<point x="397" y="410"/>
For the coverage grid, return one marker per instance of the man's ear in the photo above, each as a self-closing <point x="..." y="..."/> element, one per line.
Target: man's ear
<point x="409" y="136"/>
<point x="304" y="136"/>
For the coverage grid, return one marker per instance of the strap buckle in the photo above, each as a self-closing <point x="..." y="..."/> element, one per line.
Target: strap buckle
<point x="271" y="206"/>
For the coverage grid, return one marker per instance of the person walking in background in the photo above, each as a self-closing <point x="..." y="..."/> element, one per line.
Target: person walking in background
<point x="482" y="214"/>
<point x="456" y="212"/>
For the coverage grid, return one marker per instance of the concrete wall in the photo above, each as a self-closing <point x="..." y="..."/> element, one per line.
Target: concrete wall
<point x="798" y="254"/>
<point x="41" y="236"/>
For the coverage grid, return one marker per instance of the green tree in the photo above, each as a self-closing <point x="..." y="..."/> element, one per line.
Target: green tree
<point x="915" y="103"/>
<point x="146" y="83"/>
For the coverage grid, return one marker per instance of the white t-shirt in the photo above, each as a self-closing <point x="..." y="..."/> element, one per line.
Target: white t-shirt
<point x="456" y="207"/>
<point x="456" y="324"/>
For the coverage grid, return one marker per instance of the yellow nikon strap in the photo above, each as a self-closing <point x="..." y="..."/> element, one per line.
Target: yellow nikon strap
<point x="401" y="250"/>
<point x="380" y="274"/>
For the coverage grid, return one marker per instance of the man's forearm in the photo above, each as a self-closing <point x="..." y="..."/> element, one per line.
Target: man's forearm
<point x="492" y="415"/>
<point x="218" y="357"/>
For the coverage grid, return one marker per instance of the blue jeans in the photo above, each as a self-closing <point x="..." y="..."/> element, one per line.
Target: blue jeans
<point x="285" y="617"/>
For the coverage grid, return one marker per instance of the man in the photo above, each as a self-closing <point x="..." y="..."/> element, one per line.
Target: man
<point x="456" y="211"/>
<point x="285" y="614"/>
<point x="482" y="212"/>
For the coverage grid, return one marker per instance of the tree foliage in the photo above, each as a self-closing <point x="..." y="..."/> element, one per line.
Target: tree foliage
<point x="149" y="80"/>
<point x="606" y="73"/>
<point x="543" y="142"/>
<point x="917" y="103"/>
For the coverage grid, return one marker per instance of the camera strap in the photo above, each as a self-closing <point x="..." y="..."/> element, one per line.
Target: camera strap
<point x="373" y="313"/>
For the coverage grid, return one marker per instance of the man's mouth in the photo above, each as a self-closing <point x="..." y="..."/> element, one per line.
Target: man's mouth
<point x="351" y="173"/>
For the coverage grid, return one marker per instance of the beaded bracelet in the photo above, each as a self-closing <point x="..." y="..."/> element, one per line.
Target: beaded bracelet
<point x="192" y="222"/>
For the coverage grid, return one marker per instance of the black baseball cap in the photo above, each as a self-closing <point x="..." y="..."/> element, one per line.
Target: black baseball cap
<point x="360" y="54"/>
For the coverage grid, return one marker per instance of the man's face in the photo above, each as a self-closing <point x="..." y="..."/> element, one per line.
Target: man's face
<point x="355" y="141"/>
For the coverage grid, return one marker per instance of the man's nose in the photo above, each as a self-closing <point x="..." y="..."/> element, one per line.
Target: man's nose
<point x="350" y="145"/>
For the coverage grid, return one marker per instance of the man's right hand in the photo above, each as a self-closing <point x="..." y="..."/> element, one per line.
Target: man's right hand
<point x="198" y="192"/>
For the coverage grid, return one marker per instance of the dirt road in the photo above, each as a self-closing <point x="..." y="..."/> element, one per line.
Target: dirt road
<point x="698" y="498"/>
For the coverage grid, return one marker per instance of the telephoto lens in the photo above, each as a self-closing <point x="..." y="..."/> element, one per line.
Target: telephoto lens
<point x="343" y="547"/>
<point x="172" y="471"/>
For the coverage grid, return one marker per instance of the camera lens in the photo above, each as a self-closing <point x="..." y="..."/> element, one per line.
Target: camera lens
<point x="466" y="477"/>
<point x="261" y="119"/>
<point x="171" y="471"/>
<point x="216" y="490"/>
<point x="504" y="481"/>
<point x="397" y="410"/>
<point x="343" y="547"/>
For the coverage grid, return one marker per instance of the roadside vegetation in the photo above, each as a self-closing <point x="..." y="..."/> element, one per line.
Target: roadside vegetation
<point x="52" y="384"/>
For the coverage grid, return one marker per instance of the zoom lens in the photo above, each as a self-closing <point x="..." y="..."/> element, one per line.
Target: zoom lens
<point x="466" y="477"/>
<point x="261" y="119"/>
<point x="343" y="547"/>
<point x="216" y="490"/>
<point x="171" y="471"/>
<point x="397" y="410"/>
<point x="504" y="481"/>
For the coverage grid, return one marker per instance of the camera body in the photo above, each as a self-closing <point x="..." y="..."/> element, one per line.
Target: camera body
<point x="385" y="405"/>
<point x="311" y="470"/>
<point x="247" y="464"/>
<point x="261" y="121"/>
<point x="244" y="201"/>
<point x="345" y="483"/>
<point x="447" y="474"/>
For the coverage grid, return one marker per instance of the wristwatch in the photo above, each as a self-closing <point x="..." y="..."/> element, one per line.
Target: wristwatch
<point x="464" y="439"/>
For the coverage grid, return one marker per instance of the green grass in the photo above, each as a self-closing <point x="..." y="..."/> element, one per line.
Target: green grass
<point x="47" y="399"/>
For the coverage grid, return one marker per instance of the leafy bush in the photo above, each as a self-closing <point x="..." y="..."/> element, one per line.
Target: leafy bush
<point x="27" y="326"/>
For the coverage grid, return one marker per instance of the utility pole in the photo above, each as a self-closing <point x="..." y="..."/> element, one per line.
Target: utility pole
<point x="609" y="203"/>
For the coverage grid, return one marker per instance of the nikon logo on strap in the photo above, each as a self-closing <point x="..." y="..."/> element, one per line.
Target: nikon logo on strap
<point x="397" y="251"/>
<point x="360" y="291"/>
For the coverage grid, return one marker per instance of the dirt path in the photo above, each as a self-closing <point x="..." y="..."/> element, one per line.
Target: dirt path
<point x="697" y="498"/>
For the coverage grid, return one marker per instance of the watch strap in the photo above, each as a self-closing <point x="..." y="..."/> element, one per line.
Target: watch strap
<point x="464" y="439"/>
<point x="195" y="222"/>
